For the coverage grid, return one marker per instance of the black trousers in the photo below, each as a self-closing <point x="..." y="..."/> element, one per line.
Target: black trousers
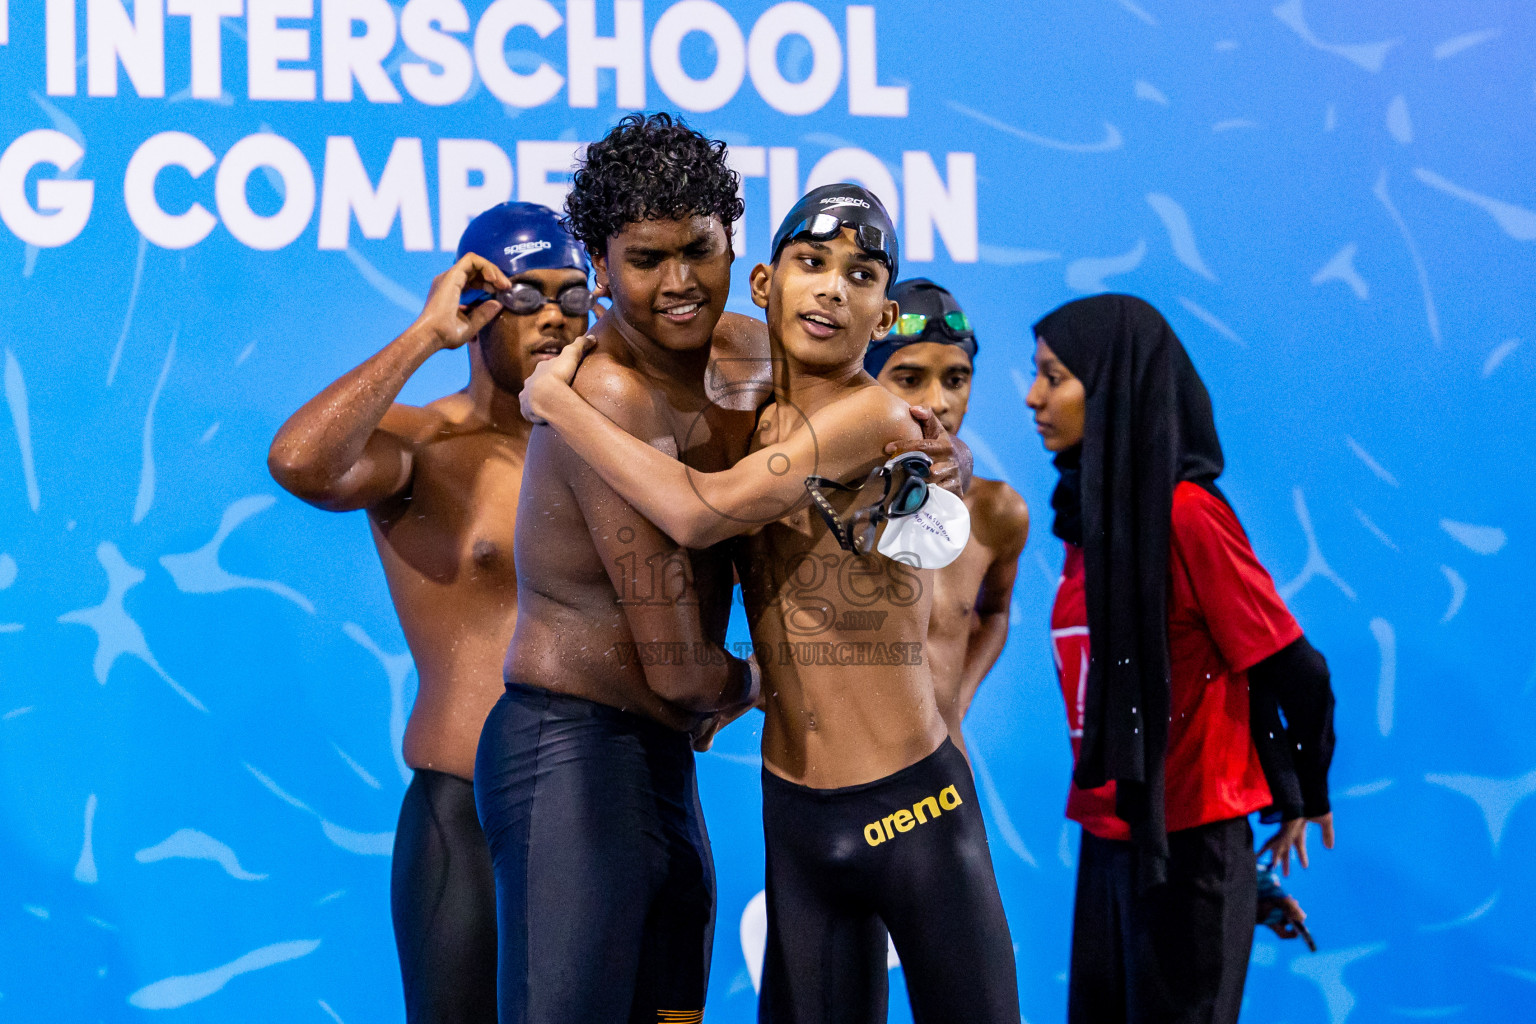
<point x="1177" y="954"/>
<point x="906" y="853"/>
<point x="443" y="900"/>
<point x="605" y="890"/>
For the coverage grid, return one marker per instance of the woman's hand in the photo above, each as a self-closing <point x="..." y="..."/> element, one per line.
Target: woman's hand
<point x="1294" y="915"/>
<point x="550" y="376"/>
<point x="1292" y="835"/>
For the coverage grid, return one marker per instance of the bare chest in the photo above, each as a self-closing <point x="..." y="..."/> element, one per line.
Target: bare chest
<point x="456" y="527"/>
<point x="956" y="586"/>
<point x="817" y="590"/>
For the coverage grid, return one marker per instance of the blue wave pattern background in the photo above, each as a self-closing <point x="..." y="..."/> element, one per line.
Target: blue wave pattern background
<point x="203" y="686"/>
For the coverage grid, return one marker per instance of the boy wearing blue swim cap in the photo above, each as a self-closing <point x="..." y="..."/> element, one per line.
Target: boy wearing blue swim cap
<point x="870" y="816"/>
<point x="928" y="360"/>
<point x="440" y="484"/>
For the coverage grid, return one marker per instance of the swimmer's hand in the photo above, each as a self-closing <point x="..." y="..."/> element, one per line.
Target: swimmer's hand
<point x="951" y="456"/>
<point x="551" y="377"/>
<point x="447" y="322"/>
<point x="704" y="733"/>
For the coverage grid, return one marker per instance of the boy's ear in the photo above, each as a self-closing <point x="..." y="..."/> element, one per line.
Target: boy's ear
<point x="760" y="281"/>
<point x="888" y="317"/>
<point x="600" y="271"/>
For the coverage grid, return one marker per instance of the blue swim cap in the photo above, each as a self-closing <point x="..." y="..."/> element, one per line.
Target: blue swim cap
<point x="518" y="237"/>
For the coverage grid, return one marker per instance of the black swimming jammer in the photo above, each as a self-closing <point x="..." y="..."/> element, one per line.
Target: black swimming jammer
<point x="443" y="900"/>
<point x="906" y="853"/>
<point x="605" y="889"/>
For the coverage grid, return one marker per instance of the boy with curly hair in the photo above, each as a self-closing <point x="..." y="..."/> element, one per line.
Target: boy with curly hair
<point x="585" y="775"/>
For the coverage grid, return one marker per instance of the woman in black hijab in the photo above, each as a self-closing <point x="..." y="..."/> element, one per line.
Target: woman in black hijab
<point x="1176" y="656"/>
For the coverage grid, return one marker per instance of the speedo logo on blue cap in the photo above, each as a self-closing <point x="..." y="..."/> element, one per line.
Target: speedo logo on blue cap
<point x="844" y="201"/>
<point x="522" y="248"/>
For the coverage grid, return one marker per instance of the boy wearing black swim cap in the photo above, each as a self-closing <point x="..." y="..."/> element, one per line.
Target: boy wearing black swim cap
<point x="440" y="485"/>
<point x="928" y="360"/>
<point x="870" y="816"/>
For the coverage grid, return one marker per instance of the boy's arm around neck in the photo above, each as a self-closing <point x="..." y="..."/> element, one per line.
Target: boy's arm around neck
<point x="698" y="509"/>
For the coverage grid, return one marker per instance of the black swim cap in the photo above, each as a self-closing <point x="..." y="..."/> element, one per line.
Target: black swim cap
<point x="928" y="313"/>
<point x="822" y="212"/>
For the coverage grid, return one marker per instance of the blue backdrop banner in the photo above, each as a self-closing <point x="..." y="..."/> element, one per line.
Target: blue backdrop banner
<point x="214" y="208"/>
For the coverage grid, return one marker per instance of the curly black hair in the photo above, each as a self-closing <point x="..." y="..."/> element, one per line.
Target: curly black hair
<point x="649" y="168"/>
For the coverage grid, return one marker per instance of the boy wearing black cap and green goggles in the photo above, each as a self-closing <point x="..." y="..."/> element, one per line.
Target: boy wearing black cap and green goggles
<point x="928" y="360"/>
<point x="870" y="816"/>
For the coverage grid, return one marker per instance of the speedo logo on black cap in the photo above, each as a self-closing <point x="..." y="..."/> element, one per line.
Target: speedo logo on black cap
<point x="526" y="247"/>
<point x="844" y="201"/>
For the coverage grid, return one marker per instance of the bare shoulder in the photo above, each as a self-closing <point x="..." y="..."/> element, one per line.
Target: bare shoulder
<point x="999" y="514"/>
<point x="740" y="365"/>
<point x="875" y="411"/>
<point x="416" y="424"/>
<point x="616" y="390"/>
<point x="739" y="337"/>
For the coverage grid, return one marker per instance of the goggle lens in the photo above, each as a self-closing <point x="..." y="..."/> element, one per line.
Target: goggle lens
<point x="912" y="493"/>
<point x="523" y="298"/>
<point x="909" y="498"/>
<point x="824" y="226"/>
<point x="910" y="325"/>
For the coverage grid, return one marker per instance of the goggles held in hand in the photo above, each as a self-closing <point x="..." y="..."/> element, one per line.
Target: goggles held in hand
<point x="905" y="482"/>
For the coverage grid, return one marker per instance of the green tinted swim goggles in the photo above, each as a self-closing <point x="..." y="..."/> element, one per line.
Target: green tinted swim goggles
<point x="954" y="323"/>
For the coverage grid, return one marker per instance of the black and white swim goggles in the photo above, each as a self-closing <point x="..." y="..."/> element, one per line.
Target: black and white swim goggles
<point x="905" y="482"/>
<point x="524" y="298"/>
<point x="821" y="227"/>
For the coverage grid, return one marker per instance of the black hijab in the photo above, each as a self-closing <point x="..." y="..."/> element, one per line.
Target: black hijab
<point x="1147" y="426"/>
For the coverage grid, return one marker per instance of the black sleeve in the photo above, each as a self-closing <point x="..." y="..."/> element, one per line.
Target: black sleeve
<point x="1270" y="742"/>
<point x="1290" y="714"/>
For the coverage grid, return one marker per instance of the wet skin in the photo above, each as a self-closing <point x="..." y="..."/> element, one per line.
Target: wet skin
<point x="969" y="623"/>
<point x="600" y="584"/>
<point x="828" y="724"/>
<point x="440" y="484"/>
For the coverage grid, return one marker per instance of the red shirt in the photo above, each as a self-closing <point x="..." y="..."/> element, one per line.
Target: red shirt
<point x="1223" y="617"/>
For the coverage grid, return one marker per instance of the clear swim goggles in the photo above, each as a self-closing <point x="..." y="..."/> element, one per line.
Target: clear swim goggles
<point x="524" y="298"/>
